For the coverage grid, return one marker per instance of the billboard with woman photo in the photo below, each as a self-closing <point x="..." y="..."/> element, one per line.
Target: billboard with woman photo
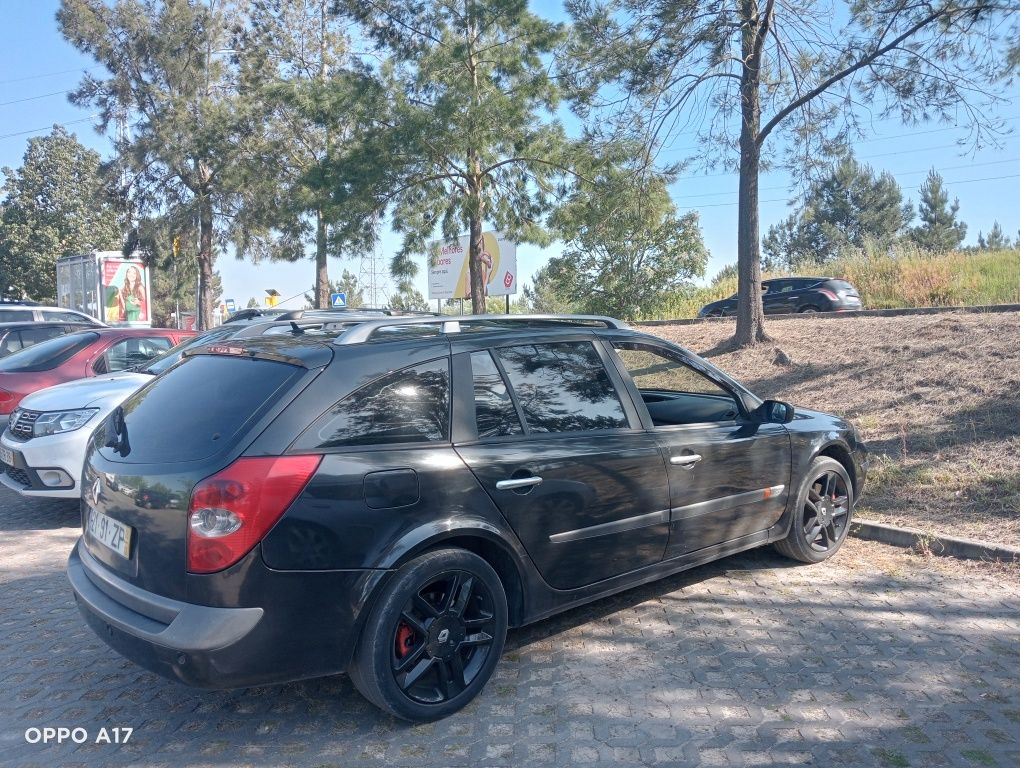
<point x="125" y="287"/>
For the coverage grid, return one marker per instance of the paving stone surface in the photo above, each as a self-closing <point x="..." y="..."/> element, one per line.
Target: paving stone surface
<point x="751" y="661"/>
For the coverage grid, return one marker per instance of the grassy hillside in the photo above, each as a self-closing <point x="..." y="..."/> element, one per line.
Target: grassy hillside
<point x="907" y="278"/>
<point x="934" y="396"/>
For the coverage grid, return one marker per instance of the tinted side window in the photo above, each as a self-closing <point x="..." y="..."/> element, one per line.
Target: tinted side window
<point x="562" y="387"/>
<point x="128" y="353"/>
<point x="494" y="410"/>
<point x="411" y="405"/>
<point x="10" y="343"/>
<point x="30" y="336"/>
<point x="73" y="317"/>
<point x="16" y="315"/>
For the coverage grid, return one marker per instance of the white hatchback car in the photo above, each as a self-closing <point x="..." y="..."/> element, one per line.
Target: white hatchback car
<point x="51" y="428"/>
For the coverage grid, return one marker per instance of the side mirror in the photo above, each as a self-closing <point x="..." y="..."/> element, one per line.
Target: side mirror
<point x="776" y="412"/>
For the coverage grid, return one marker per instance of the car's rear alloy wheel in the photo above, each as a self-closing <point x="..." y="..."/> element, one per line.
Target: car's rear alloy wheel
<point x="434" y="638"/>
<point x="809" y="308"/>
<point x="824" y="511"/>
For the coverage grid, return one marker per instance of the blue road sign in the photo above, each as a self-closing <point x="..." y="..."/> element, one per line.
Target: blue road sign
<point x="338" y="299"/>
<point x="230" y="305"/>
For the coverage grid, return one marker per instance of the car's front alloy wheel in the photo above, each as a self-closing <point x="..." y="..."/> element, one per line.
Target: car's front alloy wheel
<point x="434" y="638"/>
<point x="823" y="513"/>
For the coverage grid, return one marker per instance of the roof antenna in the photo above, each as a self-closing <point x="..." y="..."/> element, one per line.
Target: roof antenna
<point x="298" y="330"/>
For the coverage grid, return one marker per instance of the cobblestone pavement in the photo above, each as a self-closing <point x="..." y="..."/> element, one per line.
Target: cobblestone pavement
<point x="749" y="661"/>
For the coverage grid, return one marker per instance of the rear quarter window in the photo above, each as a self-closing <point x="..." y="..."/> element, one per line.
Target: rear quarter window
<point x="200" y="408"/>
<point x="411" y="405"/>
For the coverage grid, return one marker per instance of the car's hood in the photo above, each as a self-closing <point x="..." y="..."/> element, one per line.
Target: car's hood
<point x="86" y="392"/>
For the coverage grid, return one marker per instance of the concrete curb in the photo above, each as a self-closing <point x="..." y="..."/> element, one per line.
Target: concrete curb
<point x="991" y="308"/>
<point x="949" y="546"/>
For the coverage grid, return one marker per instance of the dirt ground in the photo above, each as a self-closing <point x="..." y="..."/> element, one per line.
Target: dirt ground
<point x="934" y="396"/>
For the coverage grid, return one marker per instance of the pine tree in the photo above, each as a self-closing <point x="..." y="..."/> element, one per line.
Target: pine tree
<point x="471" y="141"/>
<point x="997" y="240"/>
<point x="939" y="230"/>
<point x="170" y="83"/>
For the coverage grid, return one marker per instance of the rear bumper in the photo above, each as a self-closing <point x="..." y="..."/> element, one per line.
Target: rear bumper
<point x="212" y="647"/>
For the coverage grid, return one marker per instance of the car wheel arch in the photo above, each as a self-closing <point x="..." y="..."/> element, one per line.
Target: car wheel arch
<point x="841" y="453"/>
<point x="487" y="542"/>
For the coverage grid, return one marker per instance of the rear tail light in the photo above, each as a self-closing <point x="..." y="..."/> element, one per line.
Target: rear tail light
<point x="231" y="511"/>
<point x="828" y="294"/>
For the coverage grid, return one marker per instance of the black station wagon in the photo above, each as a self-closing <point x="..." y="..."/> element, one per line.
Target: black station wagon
<point x="389" y="501"/>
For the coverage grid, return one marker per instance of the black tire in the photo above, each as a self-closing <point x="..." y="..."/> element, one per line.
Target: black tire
<point x="716" y="313"/>
<point x="809" y="308"/>
<point x="415" y="642"/>
<point x="823" y="513"/>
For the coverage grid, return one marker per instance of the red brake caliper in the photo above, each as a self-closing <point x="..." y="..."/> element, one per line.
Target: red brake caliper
<point x="405" y="639"/>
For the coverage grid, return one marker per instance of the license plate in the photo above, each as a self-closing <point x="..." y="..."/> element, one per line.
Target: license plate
<point x="6" y="456"/>
<point x="110" y="533"/>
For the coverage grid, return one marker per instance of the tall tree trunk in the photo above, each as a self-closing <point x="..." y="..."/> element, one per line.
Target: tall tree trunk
<point x="477" y="245"/>
<point x="205" y="264"/>
<point x="750" y="314"/>
<point x="321" y="262"/>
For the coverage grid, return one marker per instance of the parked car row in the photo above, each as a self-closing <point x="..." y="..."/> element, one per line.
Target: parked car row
<point x="387" y="495"/>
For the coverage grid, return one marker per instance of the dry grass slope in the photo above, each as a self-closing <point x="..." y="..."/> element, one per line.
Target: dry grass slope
<point x="935" y="397"/>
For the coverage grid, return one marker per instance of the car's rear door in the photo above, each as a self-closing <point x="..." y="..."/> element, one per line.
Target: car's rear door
<point x="729" y="475"/>
<point x="561" y="453"/>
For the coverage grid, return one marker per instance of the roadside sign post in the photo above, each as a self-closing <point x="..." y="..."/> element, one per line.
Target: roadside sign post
<point x="230" y="305"/>
<point x="338" y="300"/>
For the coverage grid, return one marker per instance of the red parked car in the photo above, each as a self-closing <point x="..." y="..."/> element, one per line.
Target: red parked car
<point x="77" y="356"/>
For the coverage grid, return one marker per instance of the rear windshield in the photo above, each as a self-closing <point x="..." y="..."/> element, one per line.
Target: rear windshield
<point x="199" y="408"/>
<point x="47" y="355"/>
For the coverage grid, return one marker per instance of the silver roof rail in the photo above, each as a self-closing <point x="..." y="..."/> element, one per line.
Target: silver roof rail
<point x="364" y="330"/>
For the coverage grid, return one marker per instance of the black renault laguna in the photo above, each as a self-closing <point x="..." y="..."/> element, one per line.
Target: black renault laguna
<point x="387" y="503"/>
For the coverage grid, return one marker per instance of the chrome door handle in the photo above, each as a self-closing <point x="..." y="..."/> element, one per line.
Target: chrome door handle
<point x="519" y="482"/>
<point x="686" y="460"/>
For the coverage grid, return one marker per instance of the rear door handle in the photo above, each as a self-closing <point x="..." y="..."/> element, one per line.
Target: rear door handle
<point x="518" y="482"/>
<point x="686" y="460"/>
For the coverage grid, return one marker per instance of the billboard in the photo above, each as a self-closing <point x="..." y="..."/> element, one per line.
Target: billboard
<point x="125" y="292"/>
<point x="448" y="267"/>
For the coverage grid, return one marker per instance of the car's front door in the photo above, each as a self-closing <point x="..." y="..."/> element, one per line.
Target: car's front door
<point x="729" y="475"/>
<point x="554" y="446"/>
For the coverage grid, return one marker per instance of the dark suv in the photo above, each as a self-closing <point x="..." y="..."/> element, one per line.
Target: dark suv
<point x="389" y="502"/>
<point x="788" y="295"/>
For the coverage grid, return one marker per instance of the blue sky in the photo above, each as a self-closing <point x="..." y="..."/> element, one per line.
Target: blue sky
<point x="37" y="68"/>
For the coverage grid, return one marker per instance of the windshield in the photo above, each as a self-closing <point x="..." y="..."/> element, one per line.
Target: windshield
<point x="172" y="356"/>
<point x="47" y="355"/>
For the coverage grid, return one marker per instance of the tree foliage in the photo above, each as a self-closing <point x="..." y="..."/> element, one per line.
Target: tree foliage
<point x="409" y="300"/>
<point x="470" y="140"/>
<point x="846" y="208"/>
<point x="56" y="204"/>
<point x="348" y="284"/>
<point x="626" y="248"/>
<point x="313" y="102"/>
<point x="939" y="230"/>
<point x="170" y="84"/>
<point x="736" y="73"/>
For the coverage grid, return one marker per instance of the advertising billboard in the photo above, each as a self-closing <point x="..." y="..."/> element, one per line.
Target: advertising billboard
<point x="125" y="292"/>
<point x="448" y="267"/>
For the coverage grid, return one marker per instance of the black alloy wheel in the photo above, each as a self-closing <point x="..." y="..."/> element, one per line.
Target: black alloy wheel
<point x="808" y="309"/>
<point x="824" y="512"/>
<point x="442" y="637"/>
<point x="434" y="638"/>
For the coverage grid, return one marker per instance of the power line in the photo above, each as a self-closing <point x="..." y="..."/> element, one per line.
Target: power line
<point x="46" y="128"/>
<point x="48" y="74"/>
<point x="33" y="98"/>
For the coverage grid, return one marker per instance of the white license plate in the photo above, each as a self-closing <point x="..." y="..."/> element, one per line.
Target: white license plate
<point x="110" y="533"/>
<point x="6" y="456"/>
